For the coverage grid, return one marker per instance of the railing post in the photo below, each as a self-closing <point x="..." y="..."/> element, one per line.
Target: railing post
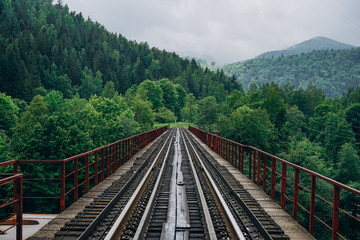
<point x="335" y="220"/>
<point x="283" y="185"/>
<point x="131" y="140"/>
<point x="118" y="154"/>
<point x="240" y="157"/>
<point x="214" y="143"/>
<point x="233" y="154"/>
<point x="121" y="154"/>
<point x="254" y="167"/>
<point x="126" y="150"/>
<point x="312" y="205"/>
<point x="273" y="178"/>
<point x="227" y="149"/>
<point x="102" y="164"/>
<point x="62" y="187"/>
<point x="19" y="208"/>
<point x="96" y="179"/>
<point x="16" y="167"/>
<point x="258" y="169"/>
<point x="87" y="173"/>
<point x="264" y="173"/>
<point x="76" y="183"/>
<point x="222" y="148"/>
<point x="117" y="159"/>
<point x="250" y="157"/>
<point x="108" y="161"/>
<point x="112" y="158"/>
<point x="237" y="149"/>
<point x="296" y="194"/>
<point x="15" y="186"/>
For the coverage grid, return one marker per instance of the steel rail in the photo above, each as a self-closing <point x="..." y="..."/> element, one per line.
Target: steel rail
<point x="86" y="234"/>
<point x="119" y="221"/>
<point x="207" y="216"/>
<point x="145" y="218"/>
<point x="235" y="226"/>
<point x="247" y="210"/>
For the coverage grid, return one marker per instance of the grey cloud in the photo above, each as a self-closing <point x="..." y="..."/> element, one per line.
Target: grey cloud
<point x="228" y="30"/>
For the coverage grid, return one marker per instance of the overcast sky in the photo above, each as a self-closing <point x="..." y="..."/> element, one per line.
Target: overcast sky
<point x="225" y="30"/>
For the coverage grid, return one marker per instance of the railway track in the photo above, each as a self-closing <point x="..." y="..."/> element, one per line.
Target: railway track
<point x="176" y="190"/>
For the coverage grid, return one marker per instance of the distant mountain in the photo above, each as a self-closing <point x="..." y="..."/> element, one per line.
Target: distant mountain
<point x="333" y="71"/>
<point x="317" y="43"/>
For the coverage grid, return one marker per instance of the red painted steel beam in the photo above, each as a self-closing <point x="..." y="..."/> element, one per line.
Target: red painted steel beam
<point x="312" y="205"/>
<point x="283" y="186"/>
<point x="62" y="187"/>
<point x="273" y="178"/>
<point x="296" y="194"/>
<point x="335" y="219"/>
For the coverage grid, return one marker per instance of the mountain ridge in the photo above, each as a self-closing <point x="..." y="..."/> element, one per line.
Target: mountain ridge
<point x="332" y="71"/>
<point x="316" y="43"/>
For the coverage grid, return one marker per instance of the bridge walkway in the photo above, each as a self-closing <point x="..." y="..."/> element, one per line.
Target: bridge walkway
<point x="291" y="228"/>
<point x="48" y="231"/>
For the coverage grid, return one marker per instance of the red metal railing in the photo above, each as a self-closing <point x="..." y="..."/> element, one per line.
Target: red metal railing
<point x="263" y="169"/>
<point x="13" y="202"/>
<point x="76" y="175"/>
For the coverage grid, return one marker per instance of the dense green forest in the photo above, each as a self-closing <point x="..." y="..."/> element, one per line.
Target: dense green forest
<point x="333" y="71"/>
<point x="46" y="47"/>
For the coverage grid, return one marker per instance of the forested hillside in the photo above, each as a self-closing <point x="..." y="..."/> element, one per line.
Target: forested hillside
<point x="333" y="71"/>
<point x="68" y="85"/>
<point x="46" y="47"/>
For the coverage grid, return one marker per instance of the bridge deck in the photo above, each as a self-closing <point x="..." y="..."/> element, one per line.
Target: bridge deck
<point x="49" y="230"/>
<point x="283" y="219"/>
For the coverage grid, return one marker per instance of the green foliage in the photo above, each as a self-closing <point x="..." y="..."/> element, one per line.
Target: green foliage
<point x="169" y="94"/>
<point x="252" y="127"/>
<point x="235" y="99"/>
<point x="56" y="128"/>
<point x="164" y="115"/>
<point x="149" y="90"/>
<point x="144" y="114"/>
<point x="307" y="154"/>
<point x="109" y="90"/>
<point x="191" y="108"/>
<point x="349" y="164"/>
<point x="208" y="112"/>
<point x="5" y="153"/>
<point x="8" y="112"/>
<point x="90" y="84"/>
<point x="333" y="71"/>
<point x="352" y="115"/>
<point x="274" y="105"/>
